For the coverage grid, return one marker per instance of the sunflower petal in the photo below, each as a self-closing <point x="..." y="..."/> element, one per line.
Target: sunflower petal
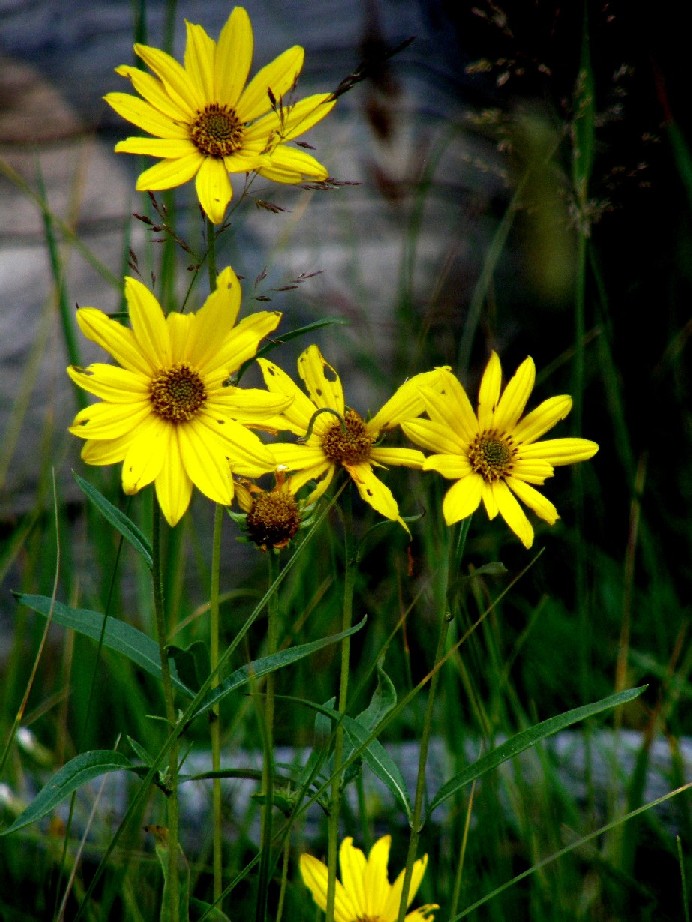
<point x="293" y="120"/>
<point x="534" y="500"/>
<point x="434" y="436"/>
<point x="560" y="451"/>
<point x="515" y="396"/>
<point x="315" y="877"/>
<point x="278" y="76"/>
<point x="169" y="174"/>
<point x="321" y="380"/>
<point x="154" y="444"/>
<point x="513" y="514"/>
<point x="448" y="404"/>
<point x="352" y="863"/>
<point x="151" y="89"/>
<point x="148" y="324"/>
<point x="199" y="59"/>
<point x="542" y="418"/>
<point x="404" y="404"/>
<point x="145" y="116"/>
<point x="233" y="57"/>
<point x="109" y="382"/>
<point x="290" y="165"/>
<point x="489" y="391"/>
<point x="462" y="499"/>
<point x="112" y="336"/>
<point x="301" y="410"/>
<point x="406" y="457"/>
<point x="376" y="879"/>
<point x="454" y="467"/>
<point x="166" y="148"/>
<point x="373" y="491"/>
<point x="108" y="420"/>
<point x="241" y="344"/>
<point x="214" y="189"/>
<point x="173" y="490"/>
<point x="206" y="463"/>
<point x="176" y="81"/>
<point x="391" y="909"/>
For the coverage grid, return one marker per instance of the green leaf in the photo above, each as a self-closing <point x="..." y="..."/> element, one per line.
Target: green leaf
<point x="192" y="662"/>
<point x="160" y="834"/>
<point x="525" y="740"/>
<point x="379" y="761"/>
<point x="117" y="635"/>
<point x="122" y="524"/>
<point x="383" y="700"/>
<point x="68" y="779"/>
<point x="265" y="665"/>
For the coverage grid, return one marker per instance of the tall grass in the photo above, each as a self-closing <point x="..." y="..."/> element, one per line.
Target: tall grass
<point x="363" y="682"/>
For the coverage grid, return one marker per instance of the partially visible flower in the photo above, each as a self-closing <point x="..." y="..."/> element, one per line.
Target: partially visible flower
<point x="272" y="517"/>
<point x="169" y="413"/>
<point x="333" y="435"/>
<point x="494" y="455"/>
<point x="364" y="893"/>
<point x="205" y="121"/>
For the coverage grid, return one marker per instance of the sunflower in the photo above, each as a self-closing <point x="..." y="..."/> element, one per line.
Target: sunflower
<point x="493" y="455"/>
<point x="206" y="123"/>
<point x="334" y="436"/>
<point x="168" y="413"/>
<point x="270" y="518"/>
<point x="364" y="893"/>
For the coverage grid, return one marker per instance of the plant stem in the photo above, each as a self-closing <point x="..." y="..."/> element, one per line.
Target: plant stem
<point x="337" y="784"/>
<point x="172" y="782"/>
<point x="214" y="722"/>
<point x="448" y="608"/>
<point x="268" y="755"/>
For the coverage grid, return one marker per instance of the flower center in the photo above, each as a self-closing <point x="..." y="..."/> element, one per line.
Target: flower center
<point x="273" y="519"/>
<point x="217" y="131"/>
<point x="347" y="442"/>
<point x="177" y="393"/>
<point x="491" y="455"/>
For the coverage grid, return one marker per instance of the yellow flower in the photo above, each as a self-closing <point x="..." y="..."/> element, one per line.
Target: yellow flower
<point x="364" y="893"/>
<point x="335" y="436"/>
<point x="493" y="455"/>
<point x="206" y="123"/>
<point x="168" y="413"/>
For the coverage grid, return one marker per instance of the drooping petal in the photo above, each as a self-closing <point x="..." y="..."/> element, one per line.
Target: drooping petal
<point x="376" y="880"/>
<point x="561" y="451"/>
<point x="145" y="116"/>
<point x="405" y="457"/>
<point x="233" y="57"/>
<point x="373" y="491"/>
<point x="515" y="396"/>
<point x="173" y="489"/>
<point x="513" y="514"/>
<point x="352" y="863"/>
<point x="148" y="324"/>
<point x="489" y="391"/>
<point x="321" y="380"/>
<point x="290" y="165"/>
<point x="214" y="189"/>
<point x="405" y="403"/>
<point x="301" y="410"/>
<point x="278" y="76"/>
<point x="199" y="59"/>
<point x="448" y="404"/>
<point x="534" y="500"/>
<point x="154" y="443"/>
<point x="462" y="499"/>
<point x="169" y="174"/>
<point x="542" y="418"/>
<point x="175" y="79"/>
<point x="206" y="463"/>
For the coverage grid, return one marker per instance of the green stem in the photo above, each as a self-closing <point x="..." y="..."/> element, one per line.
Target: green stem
<point x="268" y="755"/>
<point x="172" y="783"/>
<point x="211" y="254"/>
<point x="214" y="722"/>
<point x="337" y="784"/>
<point x="450" y="580"/>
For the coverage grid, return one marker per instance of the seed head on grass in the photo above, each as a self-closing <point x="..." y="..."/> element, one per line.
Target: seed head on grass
<point x="335" y="436"/>
<point x="493" y="455"/>
<point x="206" y="123"/>
<point x="168" y="412"/>
<point x="364" y="893"/>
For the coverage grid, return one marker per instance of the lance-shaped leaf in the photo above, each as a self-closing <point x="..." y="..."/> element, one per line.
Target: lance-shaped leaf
<point x="69" y="778"/>
<point x="117" y="635"/>
<point x="379" y="761"/>
<point x="267" y="664"/>
<point x="122" y="524"/>
<point x="525" y="740"/>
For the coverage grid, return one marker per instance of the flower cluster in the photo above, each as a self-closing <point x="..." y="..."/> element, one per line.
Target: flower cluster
<point x="173" y="414"/>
